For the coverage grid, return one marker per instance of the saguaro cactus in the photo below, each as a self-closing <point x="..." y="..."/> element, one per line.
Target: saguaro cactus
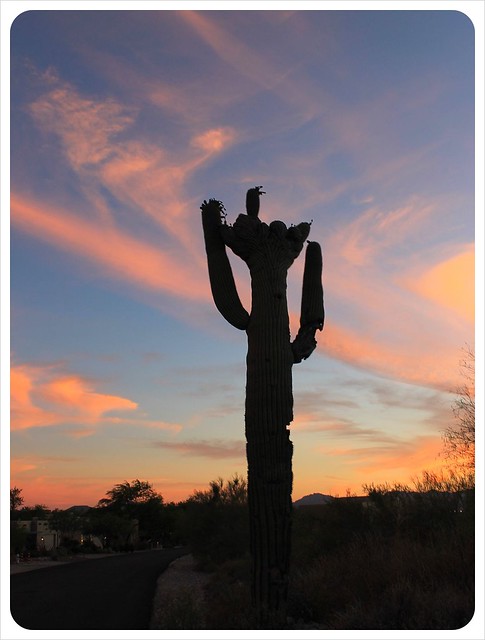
<point x="269" y="251"/>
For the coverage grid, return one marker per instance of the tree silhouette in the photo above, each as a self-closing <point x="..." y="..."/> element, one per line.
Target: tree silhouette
<point x="269" y="251"/>
<point x="459" y="438"/>
<point x="125" y="495"/>
<point x="16" y="500"/>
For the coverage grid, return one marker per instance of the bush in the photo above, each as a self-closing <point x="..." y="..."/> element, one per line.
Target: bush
<point x="215" y="523"/>
<point x="215" y="533"/>
<point x="59" y="553"/>
<point x="180" y="611"/>
<point x="397" y="559"/>
<point x="406" y="562"/>
<point x="88" y="546"/>
<point x="228" y="596"/>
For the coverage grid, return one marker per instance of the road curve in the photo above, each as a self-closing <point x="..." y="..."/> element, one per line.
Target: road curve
<point x="105" y="593"/>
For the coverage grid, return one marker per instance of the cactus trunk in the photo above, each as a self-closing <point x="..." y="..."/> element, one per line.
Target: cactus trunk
<point x="269" y="410"/>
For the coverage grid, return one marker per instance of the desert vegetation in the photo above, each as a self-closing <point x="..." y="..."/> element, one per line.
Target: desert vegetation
<point x="398" y="557"/>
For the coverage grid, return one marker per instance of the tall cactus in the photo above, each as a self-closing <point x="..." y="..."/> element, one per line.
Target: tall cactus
<point x="269" y="251"/>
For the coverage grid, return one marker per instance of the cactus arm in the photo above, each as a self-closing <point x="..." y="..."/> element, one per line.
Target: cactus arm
<point x="252" y="201"/>
<point x="312" y="314"/>
<point x="222" y="283"/>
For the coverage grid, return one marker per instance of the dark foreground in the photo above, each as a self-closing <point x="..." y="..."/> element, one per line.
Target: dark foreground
<point x="105" y="593"/>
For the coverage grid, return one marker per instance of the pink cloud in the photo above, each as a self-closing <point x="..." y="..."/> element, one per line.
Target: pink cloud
<point x="136" y="172"/>
<point x="231" y="49"/>
<point x="116" y="252"/>
<point x="405" y="322"/>
<point x="214" y="140"/>
<point x="361" y="241"/>
<point x="206" y="449"/>
<point x="262" y="69"/>
<point x="85" y="126"/>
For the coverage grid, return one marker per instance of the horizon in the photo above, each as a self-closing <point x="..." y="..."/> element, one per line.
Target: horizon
<point x="294" y="500"/>
<point x="122" y="124"/>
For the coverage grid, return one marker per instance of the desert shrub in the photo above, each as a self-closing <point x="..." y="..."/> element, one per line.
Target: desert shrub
<point x="399" y="558"/>
<point x="215" y="532"/>
<point x="321" y="529"/>
<point x="438" y="502"/>
<point x="214" y="523"/>
<point x="404" y="606"/>
<point x="393" y="580"/>
<point x="180" y="610"/>
<point x="228" y="594"/>
<point x="71" y="546"/>
<point x="18" y="538"/>
<point x="59" y="553"/>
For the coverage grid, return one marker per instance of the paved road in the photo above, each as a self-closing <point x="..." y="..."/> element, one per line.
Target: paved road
<point x="106" y="593"/>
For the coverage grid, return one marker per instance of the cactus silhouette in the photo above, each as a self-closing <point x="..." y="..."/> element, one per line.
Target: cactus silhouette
<point x="269" y="251"/>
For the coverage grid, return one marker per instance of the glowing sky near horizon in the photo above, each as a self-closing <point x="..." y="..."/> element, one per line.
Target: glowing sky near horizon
<point x="122" y="122"/>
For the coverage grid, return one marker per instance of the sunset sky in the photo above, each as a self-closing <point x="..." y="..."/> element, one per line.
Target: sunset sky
<point x="122" y="123"/>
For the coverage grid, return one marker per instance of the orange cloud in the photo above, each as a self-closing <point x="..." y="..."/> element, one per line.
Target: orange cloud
<point x="77" y="397"/>
<point x="405" y="459"/>
<point x="48" y="483"/>
<point x="411" y="362"/>
<point x="450" y="283"/>
<point x="55" y="489"/>
<point x="21" y="465"/>
<point x="111" y="249"/>
<point x="24" y="413"/>
<point x="39" y="398"/>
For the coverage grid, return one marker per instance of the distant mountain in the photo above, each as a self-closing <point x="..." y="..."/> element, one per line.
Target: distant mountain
<point x="79" y="509"/>
<point x="312" y="498"/>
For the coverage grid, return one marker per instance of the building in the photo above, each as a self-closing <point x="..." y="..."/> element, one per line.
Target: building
<point x="40" y="536"/>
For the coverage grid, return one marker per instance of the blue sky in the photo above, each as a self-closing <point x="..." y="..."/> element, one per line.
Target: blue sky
<point x="122" y="123"/>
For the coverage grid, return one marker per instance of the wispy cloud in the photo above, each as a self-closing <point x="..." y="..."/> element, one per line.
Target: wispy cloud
<point x="25" y="464"/>
<point x="364" y="239"/>
<point x="101" y="142"/>
<point x="86" y="127"/>
<point x="115" y="252"/>
<point x="418" y="362"/>
<point x="216" y="449"/>
<point x="338" y="428"/>
<point x="263" y="71"/>
<point x="404" y="458"/>
<point x="407" y="320"/>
